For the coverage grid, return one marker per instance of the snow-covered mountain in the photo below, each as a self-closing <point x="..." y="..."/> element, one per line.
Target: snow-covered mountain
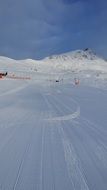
<point x="86" y="54"/>
<point x="77" y="60"/>
<point x="84" y="61"/>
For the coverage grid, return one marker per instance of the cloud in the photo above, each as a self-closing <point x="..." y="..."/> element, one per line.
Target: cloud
<point x="37" y="28"/>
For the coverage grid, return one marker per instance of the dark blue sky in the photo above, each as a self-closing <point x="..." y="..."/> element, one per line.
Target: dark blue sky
<point x="38" y="28"/>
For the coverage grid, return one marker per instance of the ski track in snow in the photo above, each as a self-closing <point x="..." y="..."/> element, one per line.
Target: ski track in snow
<point x="22" y="163"/>
<point x="74" y="171"/>
<point x="75" y="174"/>
<point x="100" y="152"/>
<point x="71" y="116"/>
<point x="41" y="163"/>
<point x="29" y="155"/>
<point x="67" y="117"/>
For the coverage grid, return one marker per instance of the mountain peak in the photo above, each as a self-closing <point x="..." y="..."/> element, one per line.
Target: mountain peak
<point x="86" y="54"/>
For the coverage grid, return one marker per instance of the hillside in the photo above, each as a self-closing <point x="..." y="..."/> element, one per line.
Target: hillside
<point x="53" y="123"/>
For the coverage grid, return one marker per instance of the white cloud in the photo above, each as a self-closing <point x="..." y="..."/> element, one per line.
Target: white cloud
<point x="28" y="26"/>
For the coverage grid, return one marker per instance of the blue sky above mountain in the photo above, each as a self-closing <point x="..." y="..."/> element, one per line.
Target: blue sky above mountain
<point x="38" y="28"/>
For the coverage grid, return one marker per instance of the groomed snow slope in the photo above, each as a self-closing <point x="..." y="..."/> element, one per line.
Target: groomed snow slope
<point x="53" y="135"/>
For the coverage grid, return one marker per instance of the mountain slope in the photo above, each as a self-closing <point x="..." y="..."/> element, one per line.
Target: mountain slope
<point x="77" y="60"/>
<point x="78" y="54"/>
<point x="79" y="63"/>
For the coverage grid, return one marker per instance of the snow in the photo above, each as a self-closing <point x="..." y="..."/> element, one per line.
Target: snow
<point x="53" y="135"/>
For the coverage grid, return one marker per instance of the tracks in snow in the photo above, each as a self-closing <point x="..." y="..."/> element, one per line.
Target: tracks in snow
<point x="75" y="173"/>
<point x="48" y="155"/>
<point x="63" y="117"/>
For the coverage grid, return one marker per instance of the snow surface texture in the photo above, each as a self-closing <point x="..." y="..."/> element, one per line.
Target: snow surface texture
<point x="53" y="135"/>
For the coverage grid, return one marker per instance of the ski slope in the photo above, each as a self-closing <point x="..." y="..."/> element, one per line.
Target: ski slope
<point x="52" y="135"/>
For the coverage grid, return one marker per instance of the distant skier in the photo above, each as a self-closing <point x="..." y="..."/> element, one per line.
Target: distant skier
<point x="77" y="81"/>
